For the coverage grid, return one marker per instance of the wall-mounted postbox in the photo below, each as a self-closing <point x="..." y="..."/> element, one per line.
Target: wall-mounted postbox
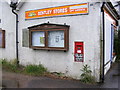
<point x="79" y="52"/>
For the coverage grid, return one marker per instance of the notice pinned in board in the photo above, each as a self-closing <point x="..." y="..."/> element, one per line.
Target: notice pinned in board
<point x="42" y="40"/>
<point x="38" y="38"/>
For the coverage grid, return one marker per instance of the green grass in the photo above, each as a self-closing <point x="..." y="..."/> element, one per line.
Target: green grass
<point x="35" y="70"/>
<point x="11" y="66"/>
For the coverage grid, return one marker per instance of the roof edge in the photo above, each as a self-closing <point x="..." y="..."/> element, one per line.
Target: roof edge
<point x="113" y="10"/>
<point x="48" y="24"/>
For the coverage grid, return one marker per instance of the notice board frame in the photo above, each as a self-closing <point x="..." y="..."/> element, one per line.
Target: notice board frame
<point x="46" y="27"/>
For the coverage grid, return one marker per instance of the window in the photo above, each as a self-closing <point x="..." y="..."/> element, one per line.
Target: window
<point x="38" y="38"/>
<point x="49" y="36"/>
<point x="56" y="38"/>
<point x="25" y="37"/>
<point x="2" y="38"/>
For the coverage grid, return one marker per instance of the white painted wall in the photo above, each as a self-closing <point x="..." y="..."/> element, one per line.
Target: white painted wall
<point x="8" y="24"/>
<point x="0" y="52"/>
<point x="0" y="12"/>
<point x="84" y="28"/>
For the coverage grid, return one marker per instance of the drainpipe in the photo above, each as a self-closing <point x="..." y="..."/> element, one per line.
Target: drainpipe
<point x="16" y="35"/>
<point x="103" y="23"/>
<point x="13" y="5"/>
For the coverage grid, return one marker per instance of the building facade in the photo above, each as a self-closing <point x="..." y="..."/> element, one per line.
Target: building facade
<point x="61" y="36"/>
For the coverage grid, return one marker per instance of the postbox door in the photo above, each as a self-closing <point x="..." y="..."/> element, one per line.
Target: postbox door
<point x="78" y="52"/>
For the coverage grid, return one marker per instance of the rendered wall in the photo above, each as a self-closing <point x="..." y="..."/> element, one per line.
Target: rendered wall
<point x="0" y="13"/>
<point x="84" y="28"/>
<point x="8" y="24"/>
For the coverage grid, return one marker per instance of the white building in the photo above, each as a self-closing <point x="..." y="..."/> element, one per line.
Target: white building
<point x="62" y="36"/>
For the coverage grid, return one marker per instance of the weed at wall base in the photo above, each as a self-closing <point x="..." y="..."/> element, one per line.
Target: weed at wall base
<point x="9" y="66"/>
<point x="86" y="76"/>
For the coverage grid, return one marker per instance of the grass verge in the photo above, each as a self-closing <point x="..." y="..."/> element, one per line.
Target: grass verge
<point x="11" y="66"/>
<point x="35" y="70"/>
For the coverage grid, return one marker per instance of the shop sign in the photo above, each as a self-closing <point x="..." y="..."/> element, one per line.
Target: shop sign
<point x="75" y="9"/>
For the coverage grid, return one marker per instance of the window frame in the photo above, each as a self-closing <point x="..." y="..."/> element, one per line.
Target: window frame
<point x="46" y="30"/>
<point x="3" y="38"/>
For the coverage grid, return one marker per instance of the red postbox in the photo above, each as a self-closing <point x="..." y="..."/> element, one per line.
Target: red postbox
<point x="79" y="52"/>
